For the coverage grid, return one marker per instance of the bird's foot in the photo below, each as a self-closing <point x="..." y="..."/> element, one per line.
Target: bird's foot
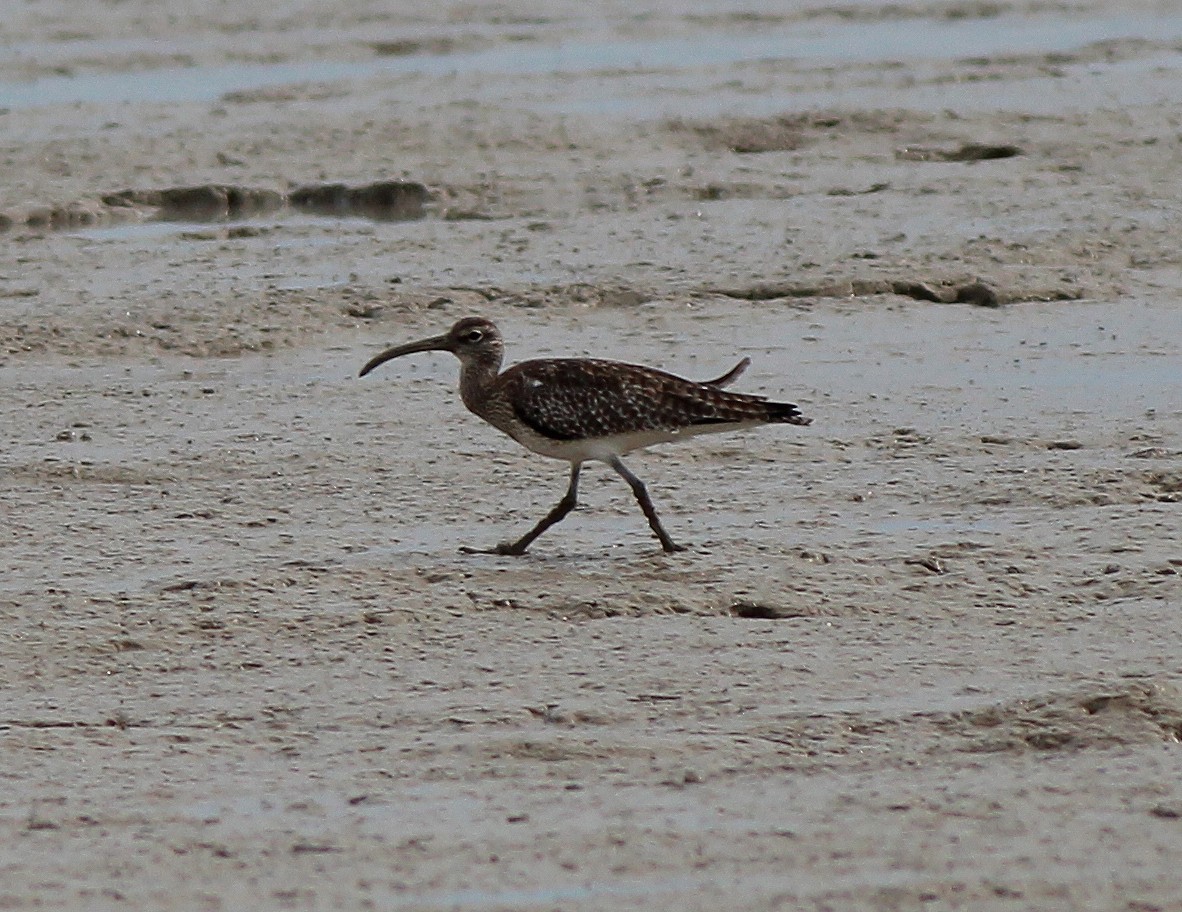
<point x="671" y="547"/>
<point x="508" y="549"/>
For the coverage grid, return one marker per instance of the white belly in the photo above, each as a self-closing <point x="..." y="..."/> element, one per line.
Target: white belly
<point x="603" y="448"/>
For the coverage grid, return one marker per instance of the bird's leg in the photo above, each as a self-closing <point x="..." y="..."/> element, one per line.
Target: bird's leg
<point x="646" y="504"/>
<point x="569" y="501"/>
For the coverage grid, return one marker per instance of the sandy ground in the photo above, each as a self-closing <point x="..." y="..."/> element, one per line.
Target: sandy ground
<point x="923" y="653"/>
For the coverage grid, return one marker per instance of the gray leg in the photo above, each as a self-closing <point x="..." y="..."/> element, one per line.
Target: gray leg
<point x="569" y="501"/>
<point x="646" y="504"/>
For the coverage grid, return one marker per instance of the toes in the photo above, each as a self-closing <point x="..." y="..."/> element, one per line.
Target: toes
<point x="509" y="549"/>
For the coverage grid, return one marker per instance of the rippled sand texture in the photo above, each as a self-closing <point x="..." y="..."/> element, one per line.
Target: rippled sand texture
<point x="923" y="654"/>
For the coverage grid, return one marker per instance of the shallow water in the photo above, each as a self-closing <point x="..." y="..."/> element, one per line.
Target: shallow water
<point x="818" y="42"/>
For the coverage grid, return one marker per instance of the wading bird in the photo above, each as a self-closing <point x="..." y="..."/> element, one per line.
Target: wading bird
<point x="581" y="409"/>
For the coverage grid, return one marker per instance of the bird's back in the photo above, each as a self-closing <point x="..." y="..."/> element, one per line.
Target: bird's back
<point x="584" y="398"/>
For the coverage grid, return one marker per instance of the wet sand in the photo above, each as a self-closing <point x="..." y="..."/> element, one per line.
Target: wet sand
<point x="923" y="653"/>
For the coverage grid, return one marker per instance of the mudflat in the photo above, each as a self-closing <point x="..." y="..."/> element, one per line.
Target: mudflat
<point x="922" y="653"/>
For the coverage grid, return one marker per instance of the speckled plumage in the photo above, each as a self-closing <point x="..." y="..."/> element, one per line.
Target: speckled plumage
<point x="581" y="409"/>
<point x="577" y="398"/>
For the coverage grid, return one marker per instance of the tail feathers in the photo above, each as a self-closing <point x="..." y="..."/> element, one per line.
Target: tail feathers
<point x="786" y="413"/>
<point x="730" y="376"/>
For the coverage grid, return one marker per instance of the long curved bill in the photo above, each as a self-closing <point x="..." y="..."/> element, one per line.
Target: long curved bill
<point x="435" y="343"/>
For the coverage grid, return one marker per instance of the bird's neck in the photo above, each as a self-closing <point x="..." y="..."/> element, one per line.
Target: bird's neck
<point x="476" y="377"/>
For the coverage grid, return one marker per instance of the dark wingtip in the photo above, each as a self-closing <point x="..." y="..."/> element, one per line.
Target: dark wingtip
<point x="786" y="413"/>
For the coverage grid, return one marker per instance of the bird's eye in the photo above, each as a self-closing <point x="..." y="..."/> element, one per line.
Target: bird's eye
<point x="473" y="335"/>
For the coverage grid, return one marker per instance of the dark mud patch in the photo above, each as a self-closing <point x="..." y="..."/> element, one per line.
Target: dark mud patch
<point x="384" y="201"/>
<point x="748" y="190"/>
<point x="379" y="201"/>
<point x="409" y="47"/>
<point x="786" y="132"/>
<point x="967" y="152"/>
<point x="206" y="203"/>
<point x="765" y="610"/>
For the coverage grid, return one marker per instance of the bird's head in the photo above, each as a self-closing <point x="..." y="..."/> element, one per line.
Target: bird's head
<point x="474" y="340"/>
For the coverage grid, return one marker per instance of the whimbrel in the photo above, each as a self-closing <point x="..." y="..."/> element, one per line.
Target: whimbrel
<point x="582" y="409"/>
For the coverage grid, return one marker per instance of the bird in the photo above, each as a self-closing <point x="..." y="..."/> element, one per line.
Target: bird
<point x="589" y="409"/>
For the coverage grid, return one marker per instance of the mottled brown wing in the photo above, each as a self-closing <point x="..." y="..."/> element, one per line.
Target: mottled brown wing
<point x="577" y="398"/>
